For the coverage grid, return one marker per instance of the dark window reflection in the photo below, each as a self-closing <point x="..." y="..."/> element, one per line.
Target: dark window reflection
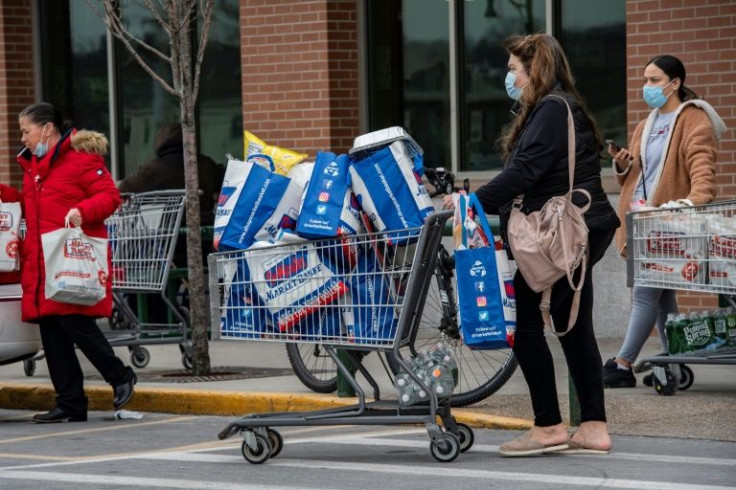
<point x="74" y="59"/>
<point x="220" y="90"/>
<point x="408" y="72"/>
<point x="144" y="104"/>
<point x="484" y="103"/>
<point x="593" y="35"/>
<point x="426" y="72"/>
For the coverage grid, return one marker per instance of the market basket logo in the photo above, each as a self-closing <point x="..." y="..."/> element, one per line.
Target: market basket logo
<point x="76" y="248"/>
<point x="289" y="267"/>
<point x="11" y="249"/>
<point x="6" y="221"/>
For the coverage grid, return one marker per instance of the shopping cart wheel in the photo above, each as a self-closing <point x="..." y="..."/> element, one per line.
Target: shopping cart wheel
<point x="664" y="380"/>
<point x="445" y="448"/>
<point x="29" y="367"/>
<point x="686" y="377"/>
<point x="275" y="441"/>
<point x="466" y="436"/>
<point x="261" y="450"/>
<point x="140" y="357"/>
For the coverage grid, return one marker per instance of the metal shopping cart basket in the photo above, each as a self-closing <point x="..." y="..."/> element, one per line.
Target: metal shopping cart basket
<point x="359" y="293"/>
<point x="689" y="249"/>
<point x="142" y="236"/>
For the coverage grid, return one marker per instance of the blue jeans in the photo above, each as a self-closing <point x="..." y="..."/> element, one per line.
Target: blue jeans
<point x="650" y="306"/>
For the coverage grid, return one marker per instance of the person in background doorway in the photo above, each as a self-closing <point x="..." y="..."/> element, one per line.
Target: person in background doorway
<point x="671" y="159"/>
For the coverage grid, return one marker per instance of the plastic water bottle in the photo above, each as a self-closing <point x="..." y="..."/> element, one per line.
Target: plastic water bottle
<point x="681" y="323"/>
<point x="441" y="381"/>
<point x="697" y="333"/>
<point x="720" y="326"/>
<point x="674" y="345"/>
<point x="443" y="356"/>
<point x="731" y="326"/>
<point x="401" y="382"/>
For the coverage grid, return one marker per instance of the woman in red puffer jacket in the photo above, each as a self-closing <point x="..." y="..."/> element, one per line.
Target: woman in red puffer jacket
<point x="65" y="178"/>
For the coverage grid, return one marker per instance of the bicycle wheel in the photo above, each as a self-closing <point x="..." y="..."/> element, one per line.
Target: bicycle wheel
<point x="313" y="366"/>
<point x="481" y="372"/>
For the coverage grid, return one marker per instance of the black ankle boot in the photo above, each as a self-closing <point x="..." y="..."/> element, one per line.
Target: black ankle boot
<point x="57" y="414"/>
<point x="123" y="392"/>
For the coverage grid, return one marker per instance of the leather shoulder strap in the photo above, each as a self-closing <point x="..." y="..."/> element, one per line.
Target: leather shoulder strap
<point x="570" y="141"/>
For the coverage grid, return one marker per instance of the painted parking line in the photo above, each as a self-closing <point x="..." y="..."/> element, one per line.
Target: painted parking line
<point x="139" y="482"/>
<point x="127" y="426"/>
<point x="455" y="473"/>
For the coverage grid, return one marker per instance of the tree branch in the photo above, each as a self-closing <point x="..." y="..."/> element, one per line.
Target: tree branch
<point x="154" y="10"/>
<point x="207" y="7"/>
<point x="114" y="23"/>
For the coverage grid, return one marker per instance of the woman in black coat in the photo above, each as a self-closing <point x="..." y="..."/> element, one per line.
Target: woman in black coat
<point x="535" y="148"/>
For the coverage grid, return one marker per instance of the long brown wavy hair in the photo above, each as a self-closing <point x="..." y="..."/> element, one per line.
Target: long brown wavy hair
<point x="547" y="67"/>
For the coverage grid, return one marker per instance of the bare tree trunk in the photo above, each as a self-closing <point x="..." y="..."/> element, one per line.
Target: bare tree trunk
<point x="197" y="307"/>
<point x="178" y="18"/>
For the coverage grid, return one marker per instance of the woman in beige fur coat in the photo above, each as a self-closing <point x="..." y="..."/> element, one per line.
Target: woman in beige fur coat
<point x="671" y="160"/>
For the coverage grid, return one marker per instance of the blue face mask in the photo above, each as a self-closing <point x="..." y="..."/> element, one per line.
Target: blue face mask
<point x="41" y="148"/>
<point x="654" y="96"/>
<point x="514" y="92"/>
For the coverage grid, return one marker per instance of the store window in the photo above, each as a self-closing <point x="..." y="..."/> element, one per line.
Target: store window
<point x="416" y="48"/>
<point x="74" y="52"/>
<point x="484" y="104"/>
<point x="593" y="35"/>
<point x="76" y="78"/>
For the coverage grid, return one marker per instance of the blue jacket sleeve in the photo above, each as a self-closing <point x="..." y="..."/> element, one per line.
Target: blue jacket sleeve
<point x="541" y="145"/>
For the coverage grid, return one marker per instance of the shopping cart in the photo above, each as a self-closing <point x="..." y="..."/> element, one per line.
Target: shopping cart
<point x="689" y="249"/>
<point x="362" y="293"/>
<point x="143" y="233"/>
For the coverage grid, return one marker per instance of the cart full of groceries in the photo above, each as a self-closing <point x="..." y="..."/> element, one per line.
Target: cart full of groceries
<point x="688" y="248"/>
<point x="338" y="251"/>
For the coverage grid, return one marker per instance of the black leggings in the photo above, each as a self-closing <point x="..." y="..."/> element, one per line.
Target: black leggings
<point x="579" y="345"/>
<point x="59" y="334"/>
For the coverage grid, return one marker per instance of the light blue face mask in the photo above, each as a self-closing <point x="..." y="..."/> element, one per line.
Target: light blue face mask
<point x="513" y="91"/>
<point x="655" y="97"/>
<point x="41" y="148"/>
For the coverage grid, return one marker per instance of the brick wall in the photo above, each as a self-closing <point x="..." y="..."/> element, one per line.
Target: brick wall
<point x="300" y="72"/>
<point x="702" y="33"/>
<point x="16" y="80"/>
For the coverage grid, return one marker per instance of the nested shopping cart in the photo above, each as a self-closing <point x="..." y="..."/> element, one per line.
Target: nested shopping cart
<point x="142" y="234"/>
<point x="688" y="249"/>
<point x="357" y="293"/>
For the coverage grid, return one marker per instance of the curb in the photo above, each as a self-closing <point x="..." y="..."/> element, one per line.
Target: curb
<point x="224" y="403"/>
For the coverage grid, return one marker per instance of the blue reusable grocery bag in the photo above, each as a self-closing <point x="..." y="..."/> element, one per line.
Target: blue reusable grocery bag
<point x="324" y="197"/>
<point x="373" y="315"/>
<point x="485" y="291"/>
<point x="243" y="315"/>
<point x="267" y="203"/>
<point x="390" y="190"/>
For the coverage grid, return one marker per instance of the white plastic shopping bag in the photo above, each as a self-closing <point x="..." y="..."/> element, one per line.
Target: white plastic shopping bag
<point x="292" y="281"/>
<point x="76" y="266"/>
<point x="10" y="214"/>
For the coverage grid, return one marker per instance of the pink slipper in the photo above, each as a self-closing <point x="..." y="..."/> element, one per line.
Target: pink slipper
<point x="577" y="448"/>
<point x="525" y="446"/>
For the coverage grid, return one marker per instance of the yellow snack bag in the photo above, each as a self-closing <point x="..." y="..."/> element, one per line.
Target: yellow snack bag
<point x="274" y="158"/>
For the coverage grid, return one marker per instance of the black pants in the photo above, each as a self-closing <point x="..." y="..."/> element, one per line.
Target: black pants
<point x="59" y="334"/>
<point x="579" y="345"/>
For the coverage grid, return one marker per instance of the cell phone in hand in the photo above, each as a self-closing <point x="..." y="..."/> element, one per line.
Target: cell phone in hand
<point x="611" y="143"/>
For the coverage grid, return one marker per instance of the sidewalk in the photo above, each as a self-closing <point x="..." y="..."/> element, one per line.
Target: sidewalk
<point x="256" y="377"/>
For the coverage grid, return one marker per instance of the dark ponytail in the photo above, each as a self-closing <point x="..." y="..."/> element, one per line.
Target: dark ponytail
<point x="44" y="113"/>
<point x="673" y="68"/>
